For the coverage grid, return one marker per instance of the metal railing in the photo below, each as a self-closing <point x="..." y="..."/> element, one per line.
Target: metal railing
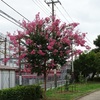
<point x="50" y="85"/>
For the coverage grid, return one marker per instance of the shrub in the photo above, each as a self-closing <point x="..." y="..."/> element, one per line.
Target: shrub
<point x="31" y="92"/>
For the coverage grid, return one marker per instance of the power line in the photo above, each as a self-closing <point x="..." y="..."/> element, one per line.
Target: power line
<point x="41" y="7"/>
<point x="51" y="8"/>
<point x="14" y="10"/>
<point x="9" y="16"/>
<point x="72" y="19"/>
<point x="47" y="4"/>
<point x="62" y="14"/>
<point x="10" y="21"/>
<point x="89" y="41"/>
<point x="1" y="35"/>
<point x="52" y="3"/>
<point x="66" y="12"/>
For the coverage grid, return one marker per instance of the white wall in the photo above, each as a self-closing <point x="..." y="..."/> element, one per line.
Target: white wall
<point x="4" y="79"/>
<point x="12" y="78"/>
<point x="7" y="79"/>
<point x="0" y="79"/>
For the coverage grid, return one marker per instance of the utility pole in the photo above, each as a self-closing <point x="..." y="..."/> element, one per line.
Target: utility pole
<point x="53" y="3"/>
<point x="4" y="40"/>
<point x="72" y="65"/>
<point x="20" y="75"/>
<point x="5" y="50"/>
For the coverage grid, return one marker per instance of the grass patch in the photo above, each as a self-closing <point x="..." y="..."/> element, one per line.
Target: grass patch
<point x="75" y="91"/>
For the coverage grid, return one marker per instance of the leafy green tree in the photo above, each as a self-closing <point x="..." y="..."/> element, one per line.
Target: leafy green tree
<point x="97" y="44"/>
<point x="86" y="64"/>
<point x="97" y="60"/>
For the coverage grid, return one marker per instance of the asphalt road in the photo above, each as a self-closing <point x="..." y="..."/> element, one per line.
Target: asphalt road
<point x="91" y="96"/>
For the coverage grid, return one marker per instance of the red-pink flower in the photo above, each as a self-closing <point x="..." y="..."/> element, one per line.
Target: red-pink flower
<point x="66" y="40"/>
<point x="24" y="23"/>
<point x="40" y="52"/>
<point x="29" y="41"/>
<point x="5" y="59"/>
<point x="22" y="56"/>
<point x="55" y="51"/>
<point x="61" y="53"/>
<point x="52" y="43"/>
<point x="73" y="24"/>
<point x="68" y="51"/>
<point x="87" y="47"/>
<point x="78" y="52"/>
<point x="47" y="19"/>
<point x="63" y="26"/>
<point x="49" y="47"/>
<point x="33" y="52"/>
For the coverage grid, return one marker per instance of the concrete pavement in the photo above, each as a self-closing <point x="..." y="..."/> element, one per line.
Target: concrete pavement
<point x="92" y="96"/>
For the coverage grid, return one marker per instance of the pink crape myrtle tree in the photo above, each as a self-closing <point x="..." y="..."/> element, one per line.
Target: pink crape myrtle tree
<point x="46" y="45"/>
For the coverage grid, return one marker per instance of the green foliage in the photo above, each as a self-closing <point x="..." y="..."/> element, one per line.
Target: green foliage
<point x="87" y="63"/>
<point x="22" y="93"/>
<point x="75" y="91"/>
<point x="97" y="42"/>
<point x="81" y="78"/>
<point x="67" y="82"/>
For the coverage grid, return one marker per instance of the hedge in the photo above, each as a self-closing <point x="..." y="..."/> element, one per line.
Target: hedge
<point x="31" y="92"/>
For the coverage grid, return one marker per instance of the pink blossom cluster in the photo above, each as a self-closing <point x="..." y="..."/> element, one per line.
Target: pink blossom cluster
<point x="46" y="40"/>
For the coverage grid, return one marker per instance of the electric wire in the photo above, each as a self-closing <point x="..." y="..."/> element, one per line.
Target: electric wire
<point x="20" y="25"/>
<point x="89" y="40"/>
<point x="66" y="12"/>
<point x="2" y="35"/>
<point x="90" y="43"/>
<point x="68" y="15"/>
<point x="9" y="17"/>
<point x="40" y="8"/>
<point x="43" y="6"/>
<point x="51" y="9"/>
<point x="73" y="21"/>
<point x="26" y="18"/>
<point x="14" y="10"/>
<point x="62" y="13"/>
<point x="10" y="21"/>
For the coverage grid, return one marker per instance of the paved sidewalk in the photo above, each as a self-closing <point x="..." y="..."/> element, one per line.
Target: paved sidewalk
<point x="92" y="96"/>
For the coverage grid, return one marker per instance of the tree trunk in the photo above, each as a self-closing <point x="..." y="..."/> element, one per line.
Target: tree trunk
<point x="93" y="75"/>
<point x="45" y="81"/>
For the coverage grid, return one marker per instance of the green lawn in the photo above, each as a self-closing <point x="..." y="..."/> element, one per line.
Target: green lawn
<point x="75" y="91"/>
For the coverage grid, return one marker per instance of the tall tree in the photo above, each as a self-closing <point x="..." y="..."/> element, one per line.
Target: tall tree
<point x="87" y="64"/>
<point x="47" y="44"/>
<point x="97" y="41"/>
<point x="97" y="44"/>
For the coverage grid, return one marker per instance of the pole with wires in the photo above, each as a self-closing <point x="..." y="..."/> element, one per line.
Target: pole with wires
<point x="20" y="75"/>
<point x="53" y="3"/>
<point x="5" y="50"/>
<point x="72" y="64"/>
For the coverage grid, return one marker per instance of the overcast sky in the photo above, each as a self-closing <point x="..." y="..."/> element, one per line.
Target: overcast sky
<point x="85" y="12"/>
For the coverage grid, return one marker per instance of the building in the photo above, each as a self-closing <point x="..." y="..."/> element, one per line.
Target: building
<point x="7" y="77"/>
